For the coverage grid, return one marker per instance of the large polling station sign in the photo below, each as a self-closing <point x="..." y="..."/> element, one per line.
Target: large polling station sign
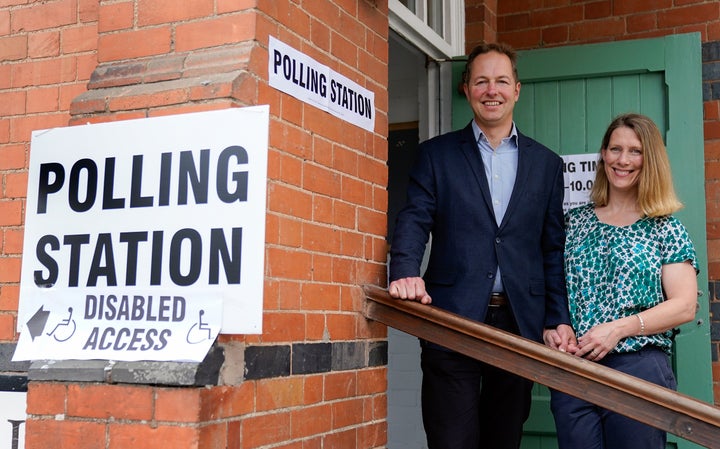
<point x="144" y="239"/>
<point x="299" y="75"/>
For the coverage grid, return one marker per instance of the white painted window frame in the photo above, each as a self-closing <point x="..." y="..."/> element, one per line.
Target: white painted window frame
<point x="412" y="27"/>
<point x="435" y="100"/>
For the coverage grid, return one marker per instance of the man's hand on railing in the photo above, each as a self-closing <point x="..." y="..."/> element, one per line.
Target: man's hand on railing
<point x="561" y="338"/>
<point x="410" y="288"/>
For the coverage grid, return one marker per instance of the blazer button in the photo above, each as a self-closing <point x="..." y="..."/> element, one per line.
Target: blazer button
<point x="490" y="274"/>
<point x="497" y="240"/>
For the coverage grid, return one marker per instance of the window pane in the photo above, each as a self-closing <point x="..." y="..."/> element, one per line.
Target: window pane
<point x="435" y="16"/>
<point x="410" y="4"/>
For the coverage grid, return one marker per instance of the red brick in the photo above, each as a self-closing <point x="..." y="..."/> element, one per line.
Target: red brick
<point x="290" y="232"/>
<point x="37" y="73"/>
<point x="16" y="185"/>
<point x="227" y="402"/>
<point x="7" y="326"/>
<point x="262" y="430"/>
<point x="712" y="150"/>
<point x="43" y="100"/>
<point x="341" y="439"/>
<point x="713" y="32"/>
<point x="339" y="385"/>
<point x="711" y="130"/>
<point x="110" y="401"/>
<point x="555" y="16"/>
<point x="116" y="16"/>
<point x="12" y="103"/>
<point x="46" y="398"/>
<point x="597" y="29"/>
<point x="177" y="405"/>
<point x="148" y="100"/>
<point x="281" y="393"/>
<point x="9" y="297"/>
<point x="356" y="191"/>
<point x="88" y="10"/>
<point x="634" y="6"/>
<point x="4" y="22"/>
<point x="317" y="296"/>
<point x="521" y="39"/>
<point x="701" y="13"/>
<point x="40" y="16"/>
<point x="283" y="327"/>
<point x="347" y="413"/>
<point x="288" y="264"/>
<point x="219" y="31"/>
<point x="344" y="271"/>
<point x="10" y="212"/>
<point x="311" y="420"/>
<point x="13" y="48"/>
<point x="65" y="434"/>
<point x="134" y="44"/>
<point x="215" y="435"/>
<point x="226" y="6"/>
<point x="342" y="326"/>
<point x="79" y="39"/>
<point x="323" y="209"/>
<point x="41" y="45"/>
<point x="22" y="127"/>
<point x="372" y="381"/>
<point x="156" y="12"/>
<point x="320" y="238"/>
<point x="147" y="436"/>
<point x="290" y="201"/>
<point x="642" y="22"/>
<point x="322" y="268"/>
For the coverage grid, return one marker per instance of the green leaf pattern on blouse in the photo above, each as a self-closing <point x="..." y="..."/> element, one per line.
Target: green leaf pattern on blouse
<point x="614" y="271"/>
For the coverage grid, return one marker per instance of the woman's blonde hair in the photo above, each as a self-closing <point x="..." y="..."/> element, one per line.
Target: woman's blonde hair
<point x="656" y="194"/>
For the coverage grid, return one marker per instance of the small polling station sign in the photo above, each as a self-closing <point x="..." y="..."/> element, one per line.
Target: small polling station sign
<point x="299" y="75"/>
<point x="144" y="238"/>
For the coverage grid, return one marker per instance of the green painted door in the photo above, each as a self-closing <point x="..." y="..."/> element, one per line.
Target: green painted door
<point x="567" y="98"/>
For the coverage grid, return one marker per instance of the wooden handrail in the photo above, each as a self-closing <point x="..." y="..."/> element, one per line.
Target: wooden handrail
<point x="644" y="401"/>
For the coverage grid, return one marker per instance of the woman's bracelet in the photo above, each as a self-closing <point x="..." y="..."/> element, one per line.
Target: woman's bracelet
<point x="642" y="324"/>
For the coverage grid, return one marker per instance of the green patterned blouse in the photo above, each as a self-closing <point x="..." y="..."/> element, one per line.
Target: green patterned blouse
<point x="614" y="271"/>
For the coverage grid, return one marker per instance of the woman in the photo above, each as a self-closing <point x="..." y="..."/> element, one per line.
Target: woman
<point x="631" y="277"/>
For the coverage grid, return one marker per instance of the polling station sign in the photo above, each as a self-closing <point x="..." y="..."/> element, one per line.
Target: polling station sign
<point x="144" y="238"/>
<point x="304" y="78"/>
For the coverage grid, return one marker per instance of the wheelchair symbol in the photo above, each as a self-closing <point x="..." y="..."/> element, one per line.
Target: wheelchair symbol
<point x="65" y="328"/>
<point x="199" y="331"/>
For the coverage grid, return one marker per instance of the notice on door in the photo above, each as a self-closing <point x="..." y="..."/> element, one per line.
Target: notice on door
<point x="579" y="174"/>
<point x="144" y="239"/>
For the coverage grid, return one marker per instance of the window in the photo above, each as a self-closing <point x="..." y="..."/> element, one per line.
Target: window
<point x="434" y="26"/>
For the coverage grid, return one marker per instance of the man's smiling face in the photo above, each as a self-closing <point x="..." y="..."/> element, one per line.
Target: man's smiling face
<point x="492" y="90"/>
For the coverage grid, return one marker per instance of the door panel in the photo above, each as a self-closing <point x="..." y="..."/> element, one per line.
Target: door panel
<point x="568" y="97"/>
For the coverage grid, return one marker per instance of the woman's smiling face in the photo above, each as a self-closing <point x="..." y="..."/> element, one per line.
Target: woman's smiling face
<point x="623" y="159"/>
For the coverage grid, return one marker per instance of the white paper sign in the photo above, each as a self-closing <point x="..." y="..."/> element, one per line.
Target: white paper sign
<point x="299" y="75"/>
<point x="579" y="175"/>
<point x="12" y="420"/>
<point x="144" y="238"/>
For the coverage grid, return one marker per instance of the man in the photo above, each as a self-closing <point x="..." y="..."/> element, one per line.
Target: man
<point x="492" y="199"/>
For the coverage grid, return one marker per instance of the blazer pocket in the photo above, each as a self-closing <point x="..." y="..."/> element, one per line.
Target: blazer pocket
<point x="537" y="287"/>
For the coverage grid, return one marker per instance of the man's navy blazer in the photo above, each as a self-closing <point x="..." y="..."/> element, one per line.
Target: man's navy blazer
<point x="448" y="196"/>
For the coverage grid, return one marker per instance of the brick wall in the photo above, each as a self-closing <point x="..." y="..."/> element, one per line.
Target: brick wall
<point x="527" y="25"/>
<point x="316" y="377"/>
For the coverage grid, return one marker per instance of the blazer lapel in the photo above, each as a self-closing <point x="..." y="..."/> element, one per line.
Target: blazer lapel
<point x="472" y="154"/>
<point x="525" y="156"/>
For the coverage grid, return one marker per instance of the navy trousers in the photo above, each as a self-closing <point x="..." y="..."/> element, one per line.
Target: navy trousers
<point x="583" y="425"/>
<point x="467" y="404"/>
